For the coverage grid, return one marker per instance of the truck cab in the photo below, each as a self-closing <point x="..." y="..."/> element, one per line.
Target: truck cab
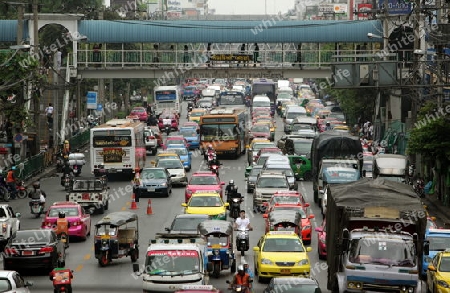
<point x="344" y="164"/>
<point x="390" y="167"/>
<point x="436" y="240"/>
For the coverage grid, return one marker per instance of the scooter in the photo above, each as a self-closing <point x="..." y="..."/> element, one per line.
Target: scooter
<point x="235" y="206"/>
<point x="65" y="181"/>
<point x="419" y="187"/>
<point x="240" y="288"/>
<point x="167" y="129"/>
<point x="242" y="240"/>
<point x="36" y="207"/>
<point x="21" y="190"/>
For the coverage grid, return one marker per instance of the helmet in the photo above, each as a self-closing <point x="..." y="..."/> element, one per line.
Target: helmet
<point x="61" y="215"/>
<point x="240" y="268"/>
<point x="231" y="182"/>
<point x="328" y="123"/>
<point x="37" y="185"/>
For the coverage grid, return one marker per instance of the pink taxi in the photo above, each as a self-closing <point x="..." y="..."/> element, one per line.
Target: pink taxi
<point x="79" y="221"/>
<point x="166" y="118"/>
<point x="321" y="240"/>
<point x="203" y="180"/>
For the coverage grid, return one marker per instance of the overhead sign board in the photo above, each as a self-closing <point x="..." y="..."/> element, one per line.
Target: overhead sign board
<point x="340" y="8"/>
<point x="395" y="7"/>
<point x="91" y="100"/>
<point x="333" y="8"/>
<point x="364" y="10"/>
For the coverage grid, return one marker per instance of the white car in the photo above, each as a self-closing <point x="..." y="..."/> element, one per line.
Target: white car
<point x="176" y="170"/>
<point x="9" y="221"/>
<point x="12" y="282"/>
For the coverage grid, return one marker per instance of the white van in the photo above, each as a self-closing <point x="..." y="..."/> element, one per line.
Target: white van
<point x="261" y="102"/>
<point x="293" y="112"/>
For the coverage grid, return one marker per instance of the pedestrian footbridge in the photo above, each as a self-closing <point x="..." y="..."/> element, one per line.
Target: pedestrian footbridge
<point x="170" y="49"/>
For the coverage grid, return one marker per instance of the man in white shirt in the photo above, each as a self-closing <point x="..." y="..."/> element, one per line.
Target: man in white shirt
<point x="242" y="222"/>
<point x="49" y="114"/>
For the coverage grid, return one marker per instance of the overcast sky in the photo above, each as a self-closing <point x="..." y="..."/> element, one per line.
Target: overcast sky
<point x="251" y="6"/>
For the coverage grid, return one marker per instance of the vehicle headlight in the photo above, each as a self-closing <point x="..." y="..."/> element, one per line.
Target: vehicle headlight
<point x="306" y="228"/>
<point x="442" y="283"/>
<point x="266" y="261"/>
<point x="303" y="262"/>
<point x="428" y="259"/>
<point x="164" y="184"/>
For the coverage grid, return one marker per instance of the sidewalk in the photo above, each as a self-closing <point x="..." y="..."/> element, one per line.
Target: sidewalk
<point x="437" y="209"/>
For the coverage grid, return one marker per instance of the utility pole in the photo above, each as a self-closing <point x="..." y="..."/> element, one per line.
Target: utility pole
<point x="101" y="82"/>
<point x="439" y="57"/>
<point x="20" y="12"/>
<point x="36" y="100"/>
<point x="418" y="72"/>
<point x="111" y="99"/>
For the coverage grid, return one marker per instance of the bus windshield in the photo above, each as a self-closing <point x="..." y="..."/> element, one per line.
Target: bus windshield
<point x="232" y="100"/>
<point x="164" y="96"/>
<point x="219" y="131"/>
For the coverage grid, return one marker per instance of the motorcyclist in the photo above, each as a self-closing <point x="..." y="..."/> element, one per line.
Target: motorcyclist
<point x="231" y="191"/>
<point x="61" y="276"/>
<point x="210" y="152"/>
<point x="62" y="227"/>
<point x="37" y="192"/>
<point x="242" y="222"/>
<point x="152" y="120"/>
<point x="11" y="182"/>
<point x="241" y="278"/>
<point x="212" y="160"/>
<point x="328" y="126"/>
<point x="67" y="170"/>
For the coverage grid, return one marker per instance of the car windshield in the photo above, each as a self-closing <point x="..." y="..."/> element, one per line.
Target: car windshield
<point x="368" y="166"/>
<point x="5" y="285"/>
<point x="170" y="164"/>
<point x="389" y="252"/>
<point x="298" y="209"/>
<point x="68" y="211"/>
<point x="87" y="185"/>
<point x="262" y="160"/>
<point x="205" y="201"/>
<point x="189" y="133"/>
<point x="439" y="243"/>
<point x="213" y="240"/>
<point x="255" y="171"/>
<point x="153" y="174"/>
<point x="286" y="199"/>
<point x="138" y="110"/>
<point x="106" y="230"/>
<point x="260" y="128"/>
<point x="186" y="224"/>
<point x="282" y="245"/>
<point x="203" y="180"/>
<point x="272" y="183"/>
<point x="302" y="147"/>
<point x="258" y="146"/>
<point x="298" y="126"/>
<point x="180" y="151"/>
<point x="293" y="115"/>
<point x="295" y="288"/>
<point x="444" y="266"/>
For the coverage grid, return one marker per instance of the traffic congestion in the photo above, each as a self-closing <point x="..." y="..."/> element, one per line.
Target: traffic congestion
<point x="242" y="185"/>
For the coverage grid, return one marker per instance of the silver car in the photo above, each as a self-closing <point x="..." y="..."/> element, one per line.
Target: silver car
<point x="176" y="170"/>
<point x="267" y="184"/>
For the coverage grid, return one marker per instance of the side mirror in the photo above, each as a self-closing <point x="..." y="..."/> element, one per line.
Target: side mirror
<point x="184" y="204"/>
<point x="209" y="267"/>
<point x="28" y="283"/>
<point x="431" y="268"/>
<point x="311" y="216"/>
<point x="18" y="215"/>
<point x="167" y="229"/>
<point x="265" y="216"/>
<point x="256" y="248"/>
<point x="319" y="229"/>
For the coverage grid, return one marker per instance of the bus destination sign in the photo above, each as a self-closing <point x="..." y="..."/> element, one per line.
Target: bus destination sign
<point x="219" y="120"/>
<point x="110" y="141"/>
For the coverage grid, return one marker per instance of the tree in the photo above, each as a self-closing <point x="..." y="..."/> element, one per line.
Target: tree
<point x="429" y="136"/>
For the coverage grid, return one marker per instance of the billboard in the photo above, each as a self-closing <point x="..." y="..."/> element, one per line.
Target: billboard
<point x="395" y="7"/>
<point x="364" y="11"/>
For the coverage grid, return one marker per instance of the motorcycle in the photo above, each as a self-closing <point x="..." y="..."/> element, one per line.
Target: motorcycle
<point x="419" y="187"/>
<point x="242" y="240"/>
<point x="36" y="207"/>
<point x="240" y="288"/>
<point x="66" y="180"/>
<point x="62" y="281"/>
<point x="167" y="129"/>
<point x="21" y="190"/>
<point x="77" y="170"/>
<point x="235" y="206"/>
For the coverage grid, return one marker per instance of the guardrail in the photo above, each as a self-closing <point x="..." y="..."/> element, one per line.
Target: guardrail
<point x="36" y="164"/>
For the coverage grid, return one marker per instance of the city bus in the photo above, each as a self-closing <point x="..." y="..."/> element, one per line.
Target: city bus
<point x="231" y="98"/>
<point x="117" y="147"/>
<point x="167" y="98"/>
<point x="224" y="129"/>
<point x="262" y="86"/>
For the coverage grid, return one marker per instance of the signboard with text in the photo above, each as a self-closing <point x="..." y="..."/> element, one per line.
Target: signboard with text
<point x="364" y="10"/>
<point x="91" y="100"/>
<point x="395" y="7"/>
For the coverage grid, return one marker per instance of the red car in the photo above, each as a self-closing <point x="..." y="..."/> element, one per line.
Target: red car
<point x="203" y="180"/>
<point x="286" y="197"/>
<point x="79" y="221"/>
<point x="321" y="240"/>
<point x="141" y="112"/>
<point x="306" y="220"/>
<point x="166" y="119"/>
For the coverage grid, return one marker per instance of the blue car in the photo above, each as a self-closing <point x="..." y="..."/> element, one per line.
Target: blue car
<point x="184" y="153"/>
<point x="192" y="137"/>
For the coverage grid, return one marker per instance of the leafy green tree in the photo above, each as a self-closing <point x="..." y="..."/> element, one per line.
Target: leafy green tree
<point x="429" y="135"/>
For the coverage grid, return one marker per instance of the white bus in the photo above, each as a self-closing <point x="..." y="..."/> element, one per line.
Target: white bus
<point x="117" y="147"/>
<point x="167" y="98"/>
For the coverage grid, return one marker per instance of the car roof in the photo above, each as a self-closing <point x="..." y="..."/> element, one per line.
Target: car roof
<point x="294" y="280"/>
<point x="5" y="274"/>
<point x="153" y="168"/>
<point x="281" y="234"/>
<point x="65" y="203"/>
<point x="206" y="193"/>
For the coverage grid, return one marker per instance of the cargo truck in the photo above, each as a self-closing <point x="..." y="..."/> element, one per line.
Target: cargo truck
<point x="375" y="231"/>
<point x="340" y="147"/>
<point x="174" y="260"/>
<point x="390" y="167"/>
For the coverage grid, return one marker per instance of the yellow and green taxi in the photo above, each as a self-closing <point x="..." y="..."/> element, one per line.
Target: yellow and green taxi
<point x="164" y="155"/>
<point x="438" y="273"/>
<point x="207" y="203"/>
<point x="195" y="114"/>
<point x="281" y="253"/>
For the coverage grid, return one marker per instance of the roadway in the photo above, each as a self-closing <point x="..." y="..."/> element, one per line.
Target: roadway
<point x="118" y="277"/>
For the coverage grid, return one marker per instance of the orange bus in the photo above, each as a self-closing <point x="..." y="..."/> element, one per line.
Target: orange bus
<point x="224" y="129"/>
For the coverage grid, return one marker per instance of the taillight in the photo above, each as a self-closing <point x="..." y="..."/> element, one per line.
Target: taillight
<point x="11" y="251"/>
<point x="46" y="249"/>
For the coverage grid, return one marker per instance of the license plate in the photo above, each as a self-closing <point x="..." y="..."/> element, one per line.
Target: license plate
<point x="27" y="252"/>
<point x="86" y="196"/>
<point x="285" y="271"/>
<point x="151" y="189"/>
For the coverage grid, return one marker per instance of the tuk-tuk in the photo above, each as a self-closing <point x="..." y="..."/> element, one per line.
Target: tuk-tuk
<point x="116" y="236"/>
<point x="284" y="220"/>
<point x="219" y="235"/>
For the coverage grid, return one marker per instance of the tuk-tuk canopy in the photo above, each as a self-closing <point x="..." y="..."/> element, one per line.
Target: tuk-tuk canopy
<point x="285" y="216"/>
<point x="215" y="227"/>
<point x="117" y="219"/>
